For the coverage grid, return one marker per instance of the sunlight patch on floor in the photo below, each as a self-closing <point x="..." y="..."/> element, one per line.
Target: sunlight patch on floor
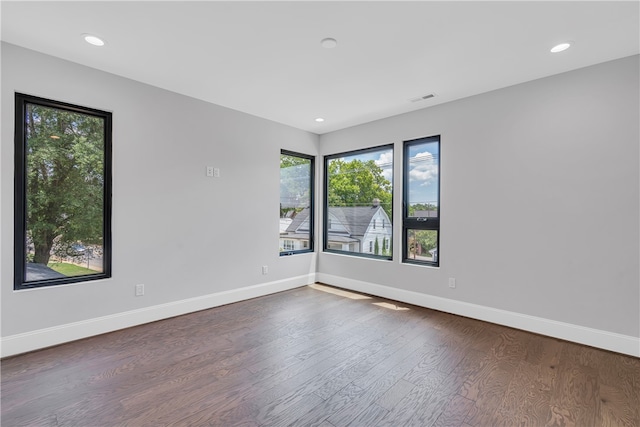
<point x="353" y="295"/>
<point x="340" y="292"/>
<point x="390" y="306"/>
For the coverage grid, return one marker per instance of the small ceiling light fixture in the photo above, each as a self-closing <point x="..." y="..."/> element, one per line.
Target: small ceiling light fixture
<point x="94" y="40"/>
<point x="560" y="47"/>
<point x="319" y="120"/>
<point x="328" y="43"/>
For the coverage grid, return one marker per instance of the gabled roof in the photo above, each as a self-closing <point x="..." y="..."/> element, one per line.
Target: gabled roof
<point x="298" y="220"/>
<point x="355" y="219"/>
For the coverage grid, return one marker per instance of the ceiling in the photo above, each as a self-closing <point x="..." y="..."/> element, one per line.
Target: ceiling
<point x="265" y="58"/>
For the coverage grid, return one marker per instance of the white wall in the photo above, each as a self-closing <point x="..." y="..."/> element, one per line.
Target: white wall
<point x="540" y="205"/>
<point x="183" y="235"/>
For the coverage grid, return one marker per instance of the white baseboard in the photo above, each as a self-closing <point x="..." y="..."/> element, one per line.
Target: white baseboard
<point x="593" y="337"/>
<point x="34" y="340"/>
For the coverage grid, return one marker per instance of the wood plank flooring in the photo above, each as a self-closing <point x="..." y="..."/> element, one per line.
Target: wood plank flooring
<point x="318" y="356"/>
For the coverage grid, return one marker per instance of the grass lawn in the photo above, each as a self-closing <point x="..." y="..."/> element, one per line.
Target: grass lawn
<point x="70" y="269"/>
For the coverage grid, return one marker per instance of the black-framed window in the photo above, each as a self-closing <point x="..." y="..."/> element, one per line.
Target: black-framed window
<point x="421" y="203"/>
<point x="296" y="202"/>
<point x="62" y="193"/>
<point x="358" y="193"/>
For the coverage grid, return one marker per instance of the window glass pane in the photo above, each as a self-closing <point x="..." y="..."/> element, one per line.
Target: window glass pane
<point x="296" y="196"/>
<point x="358" y="200"/>
<point x="64" y="195"/>
<point x="421" y="217"/>
<point x="422" y="245"/>
<point x="423" y="175"/>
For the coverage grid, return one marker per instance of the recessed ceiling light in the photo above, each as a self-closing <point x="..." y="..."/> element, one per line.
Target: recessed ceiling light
<point x="560" y="47"/>
<point x="94" y="40"/>
<point x="328" y="43"/>
<point x="319" y="120"/>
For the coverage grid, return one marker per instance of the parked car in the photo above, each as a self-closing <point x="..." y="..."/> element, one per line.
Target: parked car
<point x="76" y="249"/>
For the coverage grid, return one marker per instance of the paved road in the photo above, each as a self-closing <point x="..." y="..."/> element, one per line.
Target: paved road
<point x="41" y="272"/>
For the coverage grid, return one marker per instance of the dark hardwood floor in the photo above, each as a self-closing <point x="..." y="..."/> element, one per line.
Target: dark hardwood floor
<point x="318" y="356"/>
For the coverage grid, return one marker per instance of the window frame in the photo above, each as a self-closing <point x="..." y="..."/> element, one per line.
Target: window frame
<point x="20" y="192"/>
<point x="415" y="223"/>
<point x="312" y="225"/>
<point x="325" y="202"/>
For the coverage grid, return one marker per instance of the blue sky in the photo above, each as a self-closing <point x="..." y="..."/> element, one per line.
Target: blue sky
<point x="424" y="173"/>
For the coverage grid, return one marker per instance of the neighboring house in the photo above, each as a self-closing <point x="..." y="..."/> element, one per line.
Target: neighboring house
<point x="295" y="237"/>
<point x="284" y="224"/>
<point x="351" y="229"/>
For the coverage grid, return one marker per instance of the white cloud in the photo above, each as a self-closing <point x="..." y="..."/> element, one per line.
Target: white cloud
<point x="385" y="161"/>
<point x="424" y="168"/>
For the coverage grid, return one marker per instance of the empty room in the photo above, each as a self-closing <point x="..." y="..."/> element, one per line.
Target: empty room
<point x="320" y="213"/>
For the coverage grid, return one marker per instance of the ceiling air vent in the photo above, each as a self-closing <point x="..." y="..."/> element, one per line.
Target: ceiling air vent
<point x="422" y="98"/>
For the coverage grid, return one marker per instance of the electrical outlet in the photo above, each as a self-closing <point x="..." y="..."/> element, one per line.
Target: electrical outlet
<point x="216" y="172"/>
<point x="139" y="290"/>
<point x="210" y="170"/>
<point x="452" y="282"/>
<point x="265" y="269"/>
